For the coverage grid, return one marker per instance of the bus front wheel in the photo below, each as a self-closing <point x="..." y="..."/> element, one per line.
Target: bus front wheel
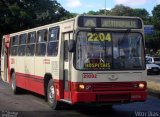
<point x="51" y="96"/>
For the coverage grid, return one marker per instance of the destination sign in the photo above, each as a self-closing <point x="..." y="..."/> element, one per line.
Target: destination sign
<point x="119" y="23"/>
<point x="109" y="22"/>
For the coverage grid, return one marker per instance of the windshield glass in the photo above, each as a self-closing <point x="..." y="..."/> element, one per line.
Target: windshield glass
<point x="109" y="51"/>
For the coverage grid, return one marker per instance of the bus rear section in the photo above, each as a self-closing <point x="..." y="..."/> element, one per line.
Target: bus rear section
<point x="4" y="58"/>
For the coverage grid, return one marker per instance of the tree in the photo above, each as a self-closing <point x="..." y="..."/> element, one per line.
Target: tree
<point x="91" y="13"/>
<point x="100" y="12"/>
<point x="156" y="17"/>
<point x="121" y="10"/>
<point x="152" y="41"/>
<point x="142" y="13"/>
<point x="23" y="14"/>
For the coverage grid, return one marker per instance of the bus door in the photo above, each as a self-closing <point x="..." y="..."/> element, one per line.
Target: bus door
<point x="4" y="58"/>
<point x="67" y="67"/>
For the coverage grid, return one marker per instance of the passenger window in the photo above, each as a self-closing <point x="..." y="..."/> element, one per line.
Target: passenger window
<point x="41" y="42"/>
<point x="14" y="45"/>
<point x="21" y="50"/>
<point x="30" y="50"/>
<point x="14" y="50"/>
<point x="31" y="44"/>
<point x="52" y="48"/>
<point x="22" y="44"/>
<point x="41" y="49"/>
<point x="53" y="34"/>
<point x="42" y="36"/>
<point x="23" y="39"/>
<point x="14" y="40"/>
<point x="31" y="37"/>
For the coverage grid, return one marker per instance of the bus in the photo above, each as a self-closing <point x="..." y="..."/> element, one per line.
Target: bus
<point x="85" y="59"/>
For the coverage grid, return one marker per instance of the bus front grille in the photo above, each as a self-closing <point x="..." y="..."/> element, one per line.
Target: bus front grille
<point x="112" y="86"/>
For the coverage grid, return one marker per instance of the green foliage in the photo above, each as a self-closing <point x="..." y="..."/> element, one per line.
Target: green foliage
<point x="142" y="13"/>
<point x="152" y="41"/>
<point x="23" y="14"/>
<point x="100" y="12"/>
<point x="156" y="17"/>
<point x="121" y="10"/>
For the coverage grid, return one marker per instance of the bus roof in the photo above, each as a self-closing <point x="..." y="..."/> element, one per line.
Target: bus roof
<point x="72" y="19"/>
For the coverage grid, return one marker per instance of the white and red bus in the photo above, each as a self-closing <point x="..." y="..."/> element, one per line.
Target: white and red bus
<point x="86" y="59"/>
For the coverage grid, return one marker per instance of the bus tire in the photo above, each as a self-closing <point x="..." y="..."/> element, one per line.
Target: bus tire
<point x="51" y="96"/>
<point x="15" y="89"/>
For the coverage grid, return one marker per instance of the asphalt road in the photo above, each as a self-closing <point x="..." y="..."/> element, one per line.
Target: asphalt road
<point x="29" y="104"/>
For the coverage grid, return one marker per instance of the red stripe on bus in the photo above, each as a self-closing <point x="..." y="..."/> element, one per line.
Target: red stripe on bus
<point x="36" y="84"/>
<point x="30" y="82"/>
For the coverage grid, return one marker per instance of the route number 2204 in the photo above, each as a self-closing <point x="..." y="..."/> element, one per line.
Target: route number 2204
<point x="99" y="37"/>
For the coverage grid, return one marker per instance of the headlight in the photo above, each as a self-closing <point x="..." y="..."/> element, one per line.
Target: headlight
<point x="141" y="85"/>
<point x="83" y="87"/>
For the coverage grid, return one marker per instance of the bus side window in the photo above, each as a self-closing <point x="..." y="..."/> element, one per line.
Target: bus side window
<point x="30" y="50"/>
<point x="14" y="45"/>
<point x="31" y="44"/>
<point x="22" y="45"/>
<point x="41" y="42"/>
<point x="52" y="48"/>
<point x="21" y="50"/>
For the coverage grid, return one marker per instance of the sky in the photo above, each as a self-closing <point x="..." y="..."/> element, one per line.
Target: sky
<point x="83" y="6"/>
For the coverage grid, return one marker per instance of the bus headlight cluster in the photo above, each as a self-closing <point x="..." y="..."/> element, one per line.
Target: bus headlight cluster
<point x="81" y="86"/>
<point x="141" y="85"/>
<point x="84" y="87"/>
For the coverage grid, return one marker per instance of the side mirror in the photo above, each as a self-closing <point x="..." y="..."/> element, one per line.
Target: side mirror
<point x="72" y="45"/>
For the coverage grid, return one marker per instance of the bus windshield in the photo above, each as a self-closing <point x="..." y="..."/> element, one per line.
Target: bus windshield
<point x="109" y="51"/>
